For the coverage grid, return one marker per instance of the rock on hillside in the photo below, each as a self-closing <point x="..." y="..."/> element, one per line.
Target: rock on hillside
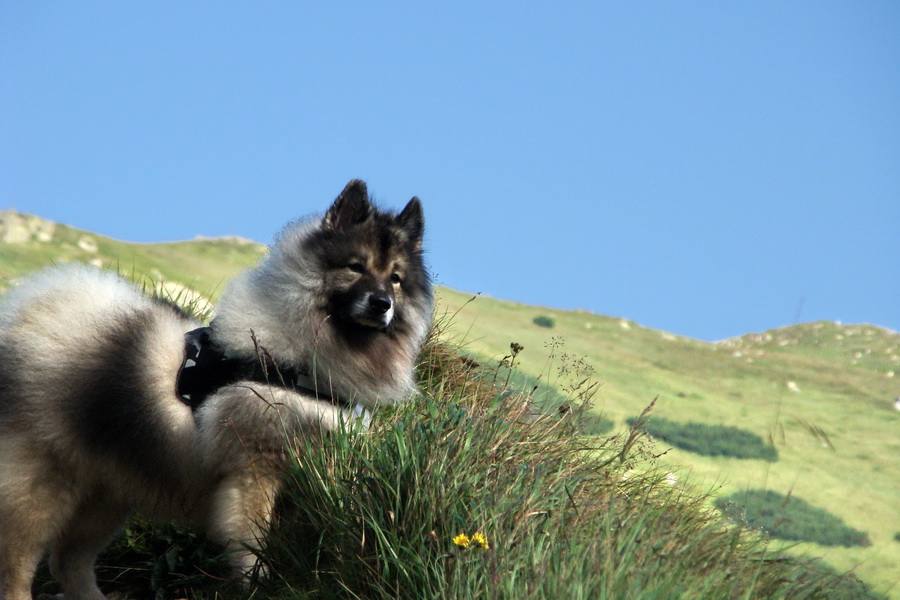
<point x="16" y="228"/>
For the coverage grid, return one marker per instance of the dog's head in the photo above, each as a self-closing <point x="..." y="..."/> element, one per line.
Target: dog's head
<point x="345" y="293"/>
<point x="372" y="261"/>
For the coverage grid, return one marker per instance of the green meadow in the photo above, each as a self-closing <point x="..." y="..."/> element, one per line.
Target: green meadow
<point x="821" y="393"/>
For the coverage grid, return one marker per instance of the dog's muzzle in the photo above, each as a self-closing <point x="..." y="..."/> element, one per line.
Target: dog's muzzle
<point x="375" y="310"/>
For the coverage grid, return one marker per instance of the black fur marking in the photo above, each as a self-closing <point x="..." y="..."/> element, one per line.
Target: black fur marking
<point x="386" y="242"/>
<point x="110" y="404"/>
<point x="10" y="386"/>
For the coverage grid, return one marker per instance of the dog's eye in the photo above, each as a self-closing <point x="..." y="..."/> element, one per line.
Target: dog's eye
<point x="396" y="279"/>
<point x="356" y="267"/>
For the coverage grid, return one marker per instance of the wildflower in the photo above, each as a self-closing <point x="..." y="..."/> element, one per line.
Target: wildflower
<point x="479" y="540"/>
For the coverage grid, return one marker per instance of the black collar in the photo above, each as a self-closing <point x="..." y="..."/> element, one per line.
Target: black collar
<point x="206" y="368"/>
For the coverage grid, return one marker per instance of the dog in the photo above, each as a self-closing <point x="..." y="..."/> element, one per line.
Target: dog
<point x="112" y="401"/>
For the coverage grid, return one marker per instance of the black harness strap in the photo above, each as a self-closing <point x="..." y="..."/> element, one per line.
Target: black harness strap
<point x="206" y="368"/>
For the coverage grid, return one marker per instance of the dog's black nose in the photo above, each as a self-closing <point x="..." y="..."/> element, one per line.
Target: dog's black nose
<point x="379" y="303"/>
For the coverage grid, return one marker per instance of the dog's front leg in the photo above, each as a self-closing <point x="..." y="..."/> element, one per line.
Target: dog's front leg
<point x="241" y="515"/>
<point x="245" y="437"/>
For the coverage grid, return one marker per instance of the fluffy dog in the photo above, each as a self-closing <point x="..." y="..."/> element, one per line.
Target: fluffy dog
<point x="112" y="401"/>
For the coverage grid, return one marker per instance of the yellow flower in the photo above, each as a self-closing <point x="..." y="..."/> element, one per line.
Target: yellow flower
<point x="462" y="540"/>
<point x="479" y="540"/>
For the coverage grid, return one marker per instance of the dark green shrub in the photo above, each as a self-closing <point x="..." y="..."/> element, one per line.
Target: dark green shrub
<point x="790" y="518"/>
<point x="710" y="440"/>
<point x="543" y="321"/>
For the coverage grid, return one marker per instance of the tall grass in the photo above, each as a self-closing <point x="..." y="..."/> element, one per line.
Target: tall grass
<point x="374" y="513"/>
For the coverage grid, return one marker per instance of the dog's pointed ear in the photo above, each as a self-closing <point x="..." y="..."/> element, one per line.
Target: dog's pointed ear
<point x="350" y="208"/>
<point x="412" y="221"/>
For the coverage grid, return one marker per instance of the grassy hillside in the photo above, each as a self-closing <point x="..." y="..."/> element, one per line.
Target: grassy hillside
<point x="821" y="392"/>
<point x="202" y="265"/>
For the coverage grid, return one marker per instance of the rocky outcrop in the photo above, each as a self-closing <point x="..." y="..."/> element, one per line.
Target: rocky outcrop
<point x="16" y="228"/>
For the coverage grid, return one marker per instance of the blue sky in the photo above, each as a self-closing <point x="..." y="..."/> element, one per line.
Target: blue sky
<point x="705" y="168"/>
